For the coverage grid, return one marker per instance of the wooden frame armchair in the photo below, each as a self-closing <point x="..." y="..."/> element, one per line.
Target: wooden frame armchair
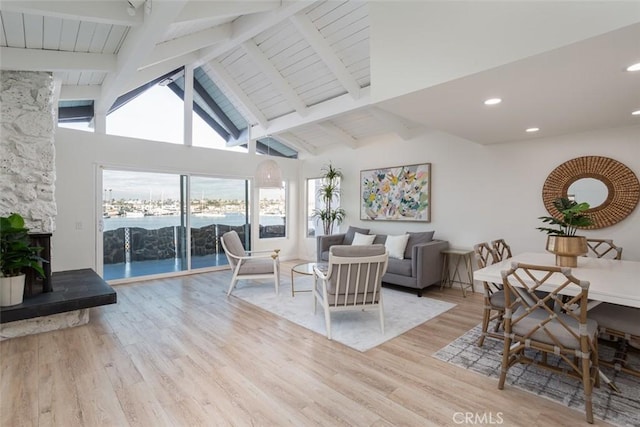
<point x="493" y="295"/>
<point x="353" y="281"/>
<point x="250" y="264"/>
<point x="554" y="322"/>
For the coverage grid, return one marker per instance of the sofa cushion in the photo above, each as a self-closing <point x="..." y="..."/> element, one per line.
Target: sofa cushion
<point x="351" y="232"/>
<point x="396" y="245"/>
<point x="399" y="266"/>
<point x="417" y="238"/>
<point x="363" y="239"/>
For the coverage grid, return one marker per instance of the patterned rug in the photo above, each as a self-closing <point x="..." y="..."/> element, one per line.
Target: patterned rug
<point x="358" y="330"/>
<point x="619" y="409"/>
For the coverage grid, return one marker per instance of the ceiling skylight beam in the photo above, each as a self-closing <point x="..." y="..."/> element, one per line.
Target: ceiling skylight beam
<point x="198" y="10"/>
<point x="248" y="26"/>
<point x="101" y="12"/>
<point x="187" y="44"/>
<point x="317" y="113"/>
<point x="339" y="134"/>
<point x="213" y="105"/>
<point x="320" y="45"/>
<point x="223" y="77"/>
<point x="274" y="76"/>
<point x="149" y="73"/>
<point x="53" y="60"/>
<point x="135" y="49"/>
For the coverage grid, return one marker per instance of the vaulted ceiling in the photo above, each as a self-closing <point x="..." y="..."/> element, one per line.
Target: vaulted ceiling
<point x="299" y="71"/>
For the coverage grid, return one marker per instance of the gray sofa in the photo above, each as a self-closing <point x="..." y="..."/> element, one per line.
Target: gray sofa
<point x="420" y="268"/>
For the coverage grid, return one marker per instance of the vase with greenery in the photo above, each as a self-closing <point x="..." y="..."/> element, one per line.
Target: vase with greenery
<point x="328" y="194"/>
<point x="16" y="255"/>
<point x="562" y="240"/>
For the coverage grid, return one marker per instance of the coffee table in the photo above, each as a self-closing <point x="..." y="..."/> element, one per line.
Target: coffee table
<point x="306" y="269"/>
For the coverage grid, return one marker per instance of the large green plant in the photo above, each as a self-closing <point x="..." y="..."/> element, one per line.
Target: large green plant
<point x="573" y="216"/>
<point x="328" y="193"/>
<point x="16" y="253"/>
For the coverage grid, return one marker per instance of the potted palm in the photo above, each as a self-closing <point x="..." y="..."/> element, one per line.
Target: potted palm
<point x="562" y="240"/>
<point x="16" y="255"/>
<point x="328" y="193"/>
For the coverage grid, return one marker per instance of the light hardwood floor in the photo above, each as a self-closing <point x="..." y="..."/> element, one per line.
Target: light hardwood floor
<point x="179" y="352"/>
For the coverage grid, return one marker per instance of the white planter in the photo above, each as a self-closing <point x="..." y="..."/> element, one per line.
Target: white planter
<point x="11" y="290"/>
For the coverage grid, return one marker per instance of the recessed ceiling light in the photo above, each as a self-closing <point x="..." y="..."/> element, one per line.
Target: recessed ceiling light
<point x="634" y="67"/>
<point x="636" y="113"/>
<point x="533" y="130"/>
<point x="492" y="101"/>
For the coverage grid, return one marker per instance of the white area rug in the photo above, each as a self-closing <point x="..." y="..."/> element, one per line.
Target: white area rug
<point x="358" y="330"/>
<point x="618" y="409"/>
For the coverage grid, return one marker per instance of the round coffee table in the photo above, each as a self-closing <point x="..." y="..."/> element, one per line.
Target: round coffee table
<point x="306" y="269"/>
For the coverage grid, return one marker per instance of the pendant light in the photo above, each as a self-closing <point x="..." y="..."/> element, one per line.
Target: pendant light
<point x="268" y="174"/>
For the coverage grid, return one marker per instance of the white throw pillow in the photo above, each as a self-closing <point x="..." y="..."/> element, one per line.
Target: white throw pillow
<point x="396" y="245"/>
<point x="362" y="239"/>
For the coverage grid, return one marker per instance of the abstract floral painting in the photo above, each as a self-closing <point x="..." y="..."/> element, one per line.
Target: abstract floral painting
<point x="396" y="194"/>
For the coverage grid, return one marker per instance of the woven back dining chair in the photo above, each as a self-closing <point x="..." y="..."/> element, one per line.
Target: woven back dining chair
<point x="604" y="248"/>
<point x="553" y="322"/>
<point x="502" y="249"/>
<point x="493" y="309"/>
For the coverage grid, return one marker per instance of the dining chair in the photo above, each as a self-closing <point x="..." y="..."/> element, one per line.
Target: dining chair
<point x="604" y="248"/>
<point x="250" y="264"/>
<point x="493" y="295"/>
<point x="621" y="323"/>
<point x="561" y="329"/>
<point x="502" y="249"/>
<point x="352" y="281"/>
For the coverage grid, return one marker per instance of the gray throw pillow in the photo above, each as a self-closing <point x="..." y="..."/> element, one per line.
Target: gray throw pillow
<point x="416" y="238"/>
<point x="351" y="232"/>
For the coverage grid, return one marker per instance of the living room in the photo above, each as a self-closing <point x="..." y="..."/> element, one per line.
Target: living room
<point x="479" y="191"/>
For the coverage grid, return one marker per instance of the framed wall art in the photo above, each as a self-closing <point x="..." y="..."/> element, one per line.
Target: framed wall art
<point x="401" y="193"/>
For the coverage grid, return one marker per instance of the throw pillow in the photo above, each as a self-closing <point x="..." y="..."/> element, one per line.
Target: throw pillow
<point x="363" y="239"/>
<point x="396" y="245"/>
<point x="351" y="232"/>
<point x="415" y="238"/>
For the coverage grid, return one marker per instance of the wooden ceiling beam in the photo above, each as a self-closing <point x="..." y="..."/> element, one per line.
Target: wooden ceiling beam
<point x="318" y="43"/>
<point x="340" y="135"/>
<point x="394" y="123"/>
<point x="198" y="10"/>
<point x="54" y="60"/>
<point x="297" y="143"/>
<point x="274" y="76"/>
<point x="101" y="12"/>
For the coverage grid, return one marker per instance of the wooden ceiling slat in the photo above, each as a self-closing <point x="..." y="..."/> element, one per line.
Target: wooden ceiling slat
<point x="85" y="34"/>
<point x="14" y="29"/>
<point x="115" y="38"/>
<point x="69" y="34"/>
<point x="52" y="33"/>
<point x="99" y="38"/>
<point x="33" y="31"/>
<point x="3" y="40"/>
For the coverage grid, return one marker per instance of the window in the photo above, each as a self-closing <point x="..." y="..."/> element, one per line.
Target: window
<point x="272" y="211"/>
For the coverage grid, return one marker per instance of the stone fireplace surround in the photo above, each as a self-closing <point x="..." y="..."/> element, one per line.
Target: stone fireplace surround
<point x="27" y="186"/>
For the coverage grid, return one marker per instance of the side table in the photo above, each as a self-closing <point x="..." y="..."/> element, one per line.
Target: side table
<point x="306" y="269"/>
<point x="456" y="258"/>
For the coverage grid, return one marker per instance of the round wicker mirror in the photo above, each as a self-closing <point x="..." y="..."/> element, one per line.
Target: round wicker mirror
<point x="623" y="188"/>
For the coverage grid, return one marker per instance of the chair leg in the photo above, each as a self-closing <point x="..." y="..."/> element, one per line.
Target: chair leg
<point x="234" y="280"/>
<point x="505" y="363"/>
<point x="381" y="316"/>
<point x="486" y="314"/>
<point x="327" y="319"/>
<point x="586" y="383"/>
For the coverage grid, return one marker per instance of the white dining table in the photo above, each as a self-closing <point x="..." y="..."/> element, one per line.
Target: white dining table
<point x="613" y="281"/>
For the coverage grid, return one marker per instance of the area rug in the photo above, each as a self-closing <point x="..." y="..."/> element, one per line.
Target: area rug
<point x="619" y="409"/>
<point x="358" y="330"/>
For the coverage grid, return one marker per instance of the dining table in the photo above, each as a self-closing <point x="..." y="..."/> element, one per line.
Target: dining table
<point x="612" y="281"/>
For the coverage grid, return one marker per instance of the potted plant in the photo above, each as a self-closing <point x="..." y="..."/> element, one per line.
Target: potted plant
<point x="562" y="241"/>
<point x="16" y="254"/>
<point x="328" y="192"/>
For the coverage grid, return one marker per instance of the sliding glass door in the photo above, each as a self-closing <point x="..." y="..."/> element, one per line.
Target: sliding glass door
<point x="154" y="223"/>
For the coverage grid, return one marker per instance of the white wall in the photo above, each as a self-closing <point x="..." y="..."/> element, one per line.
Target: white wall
<point x="78" y="156"/>
<point x="479" y="192"/>
<point x="419" y="44"/>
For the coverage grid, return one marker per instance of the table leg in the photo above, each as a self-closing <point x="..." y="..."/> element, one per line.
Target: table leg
<point x="293" y="292"/>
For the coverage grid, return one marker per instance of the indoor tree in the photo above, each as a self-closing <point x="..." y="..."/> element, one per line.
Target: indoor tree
<point x="329" y="193"/>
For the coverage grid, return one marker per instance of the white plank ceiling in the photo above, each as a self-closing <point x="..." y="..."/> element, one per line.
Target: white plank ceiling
<point x="297" y="70"/>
